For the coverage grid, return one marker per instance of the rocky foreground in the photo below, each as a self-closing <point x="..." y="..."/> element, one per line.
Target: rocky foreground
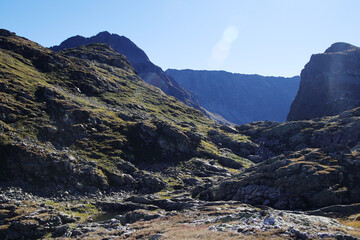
<point x="177" y="216"/>
<point x="89" y="150"/>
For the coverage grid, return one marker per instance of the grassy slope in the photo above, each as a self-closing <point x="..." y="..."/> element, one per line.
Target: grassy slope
<point x="89" y="101"/>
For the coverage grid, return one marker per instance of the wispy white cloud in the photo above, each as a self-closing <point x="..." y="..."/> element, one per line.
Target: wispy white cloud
<point x="221" y="50"/>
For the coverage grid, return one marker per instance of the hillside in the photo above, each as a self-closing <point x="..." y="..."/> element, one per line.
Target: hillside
<point x="302" y="164"/>
<point x="96" y="108"/>
<point x="148" y="71"/>
<point x="89" y="150"/>
<point x="81" y="121"/>
<point x="240" y="98"/>
<point x="330" y="83"/>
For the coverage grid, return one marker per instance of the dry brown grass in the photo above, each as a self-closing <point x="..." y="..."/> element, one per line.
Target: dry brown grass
<point x="181" y="227"/>
<point x="354" y="222"/>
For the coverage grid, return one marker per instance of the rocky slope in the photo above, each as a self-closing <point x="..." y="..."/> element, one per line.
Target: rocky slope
<point x="330" y="83"/>
<point x="90" y="150"/>
<point x="199" y="220"/>
<point x="148" y="71"/>
<point x="240" y="98"/>
<point x="302" y="164"/>
<point x="84" y="110"/>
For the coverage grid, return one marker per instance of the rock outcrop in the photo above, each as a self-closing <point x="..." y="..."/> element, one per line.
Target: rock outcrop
<point x="240" y="98"/>
<point x="330" y="83"/>
<point x="302" y="164"/>
<point x="148" y="71"/>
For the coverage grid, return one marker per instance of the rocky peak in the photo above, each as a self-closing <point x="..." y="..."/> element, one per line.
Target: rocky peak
<point x="340" y="47"/>
<point x="6" y="33"/>
<point x="148" y="71"/>
<point x="330" y="83"/>
<point x="104" y="34"/>
<point x="70" y="43"/>
<point x="101" y="53"/>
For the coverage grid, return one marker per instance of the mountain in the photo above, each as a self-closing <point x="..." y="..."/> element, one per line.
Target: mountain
<point x="330" y="83"/>
<point x="148" y="71"/>
<point x="240" y="98"/>
<point x="89" y="150"/>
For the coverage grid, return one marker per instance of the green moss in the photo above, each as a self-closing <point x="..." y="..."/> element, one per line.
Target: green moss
<point x="237" y="137"/>
<point x="209" y="147"/>
<point x="243" y="161"/>
<point x="83" y="211"/>
<point x="234" y="171"/>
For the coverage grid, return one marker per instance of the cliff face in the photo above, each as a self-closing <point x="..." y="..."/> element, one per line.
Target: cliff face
<point x="240" y="98"/>
<point x="148" y="71"/>
<point x="330" y="83"/>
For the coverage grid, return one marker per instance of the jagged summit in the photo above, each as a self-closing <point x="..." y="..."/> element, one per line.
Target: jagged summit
<point x="121" y="44"/>
<point x="340" y="47"/>
<point x="148" y="71"/>
<point x="106" y="33"/>
<point x="6" y="33"/>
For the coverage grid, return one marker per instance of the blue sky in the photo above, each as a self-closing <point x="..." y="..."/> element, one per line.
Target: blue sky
<point x="267" y="37"/>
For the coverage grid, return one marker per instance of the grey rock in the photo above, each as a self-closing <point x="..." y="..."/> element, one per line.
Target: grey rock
<point x="329" y="84"/>
<point x="156" y="236"/>
<point x="149" y="183"/>
<point x="61" y="231"/>
<point x="169" y="205"/>
<point x="66" y="218"/>
<point x="137" y="215"/>
<point x="139" y="199"/>
<point x="299" y="234"/>
<point x="269" y="221"/>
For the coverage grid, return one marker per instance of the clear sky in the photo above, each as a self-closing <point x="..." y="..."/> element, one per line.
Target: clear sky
<point x="267" y="37"/>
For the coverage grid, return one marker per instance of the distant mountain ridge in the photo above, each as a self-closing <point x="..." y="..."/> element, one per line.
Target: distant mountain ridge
<point x="148" y="71"/>
<point x="330" y="83"/>
<point x="240" y="98"/>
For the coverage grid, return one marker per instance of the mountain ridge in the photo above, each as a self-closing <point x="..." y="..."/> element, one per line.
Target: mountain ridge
<point x="240" y="98"/>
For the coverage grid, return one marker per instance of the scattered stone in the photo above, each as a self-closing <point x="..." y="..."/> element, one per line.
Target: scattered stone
<point x="156" y="236"/>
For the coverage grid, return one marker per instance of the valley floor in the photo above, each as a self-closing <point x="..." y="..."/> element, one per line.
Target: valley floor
<point x="166" y="215"/>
